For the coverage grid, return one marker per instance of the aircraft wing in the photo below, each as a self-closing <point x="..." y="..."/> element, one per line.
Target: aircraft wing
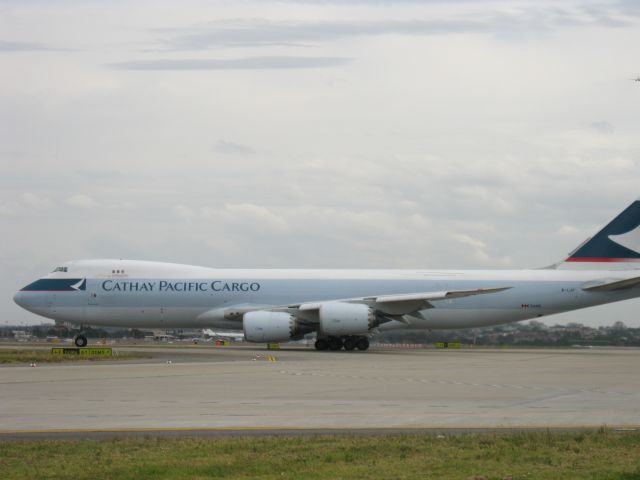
<point x="610" y="285"/>
<point x="402" y="304"/>
<point x="395" y="304"/>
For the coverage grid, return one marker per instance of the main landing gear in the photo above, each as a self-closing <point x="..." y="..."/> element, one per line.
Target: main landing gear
<point x="80" y="340"/>
<point x="349" y="343"/>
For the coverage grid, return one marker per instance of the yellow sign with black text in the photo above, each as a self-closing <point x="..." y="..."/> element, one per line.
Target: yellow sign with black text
<point x="83" y="352"/>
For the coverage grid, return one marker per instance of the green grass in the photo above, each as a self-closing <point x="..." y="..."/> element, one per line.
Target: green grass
<point x="45" y="356"/>
<point x="532" y="455"/>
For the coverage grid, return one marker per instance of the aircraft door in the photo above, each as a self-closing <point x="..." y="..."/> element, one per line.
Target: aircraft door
<point x="93" y="298"/>
<point x="51" y="302"/>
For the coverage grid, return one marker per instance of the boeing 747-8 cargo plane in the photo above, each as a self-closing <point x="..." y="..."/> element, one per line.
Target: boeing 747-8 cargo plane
<point x="344" y="307"/>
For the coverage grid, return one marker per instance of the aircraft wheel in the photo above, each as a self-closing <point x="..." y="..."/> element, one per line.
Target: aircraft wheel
<point x="322" y="344"/>
<point x="80" y="340"/>
<point x="335" y="343"/>
<point x="363" y="343"/>
<point x="350" y="343"/>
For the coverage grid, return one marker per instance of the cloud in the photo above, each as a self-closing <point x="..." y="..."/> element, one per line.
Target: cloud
<point x="479" y="250"/>
<point x="36" y="201"/>
<point x="246" y="63"/>
<point x="630" y="7"/>
<point x="478" y="246"/>
<point x="253" y="217"/>
<point x="602" y="126"/>
<point x="267" y="32"/>
<point x="568" y="230"/>
<point x="81" y="201"/>
<point x="482" y="195"/>
<point x="231" y="148"/>
<point x="9" y="209"/>
<point x="236" y="218"/>
<point x="184" y="212"/>
<point x="9" y="46"/>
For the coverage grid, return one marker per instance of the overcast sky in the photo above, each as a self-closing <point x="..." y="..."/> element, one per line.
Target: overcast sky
<point x="381" y="134"/>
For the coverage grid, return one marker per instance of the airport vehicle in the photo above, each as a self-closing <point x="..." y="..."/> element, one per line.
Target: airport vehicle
<point x="343" y="307"/>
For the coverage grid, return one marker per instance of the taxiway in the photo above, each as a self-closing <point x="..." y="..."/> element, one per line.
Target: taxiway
<point x="229" y="388"/>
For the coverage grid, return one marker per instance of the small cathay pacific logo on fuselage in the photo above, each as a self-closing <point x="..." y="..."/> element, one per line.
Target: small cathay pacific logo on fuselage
<point x="81" y="285"/>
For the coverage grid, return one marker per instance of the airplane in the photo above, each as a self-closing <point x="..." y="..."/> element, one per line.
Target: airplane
<point x="637" y="79"/>
<point x="223" y="335"/>
<point x="343" y="307"/>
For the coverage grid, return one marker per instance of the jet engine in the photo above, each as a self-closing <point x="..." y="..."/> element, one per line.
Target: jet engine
<point x="270" y="327"/>
<point x="339" y="318"/>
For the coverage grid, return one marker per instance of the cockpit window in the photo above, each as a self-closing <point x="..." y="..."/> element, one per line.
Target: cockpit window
<point x="60" y="269"/>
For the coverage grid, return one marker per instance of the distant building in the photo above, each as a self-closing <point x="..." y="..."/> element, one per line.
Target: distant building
<point x="21" y="335"/>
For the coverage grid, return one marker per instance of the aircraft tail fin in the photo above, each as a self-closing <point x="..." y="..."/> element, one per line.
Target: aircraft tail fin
<point x="615" y="247"/>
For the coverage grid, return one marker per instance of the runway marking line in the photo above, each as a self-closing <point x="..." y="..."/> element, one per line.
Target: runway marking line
<point x="320" y="429"/>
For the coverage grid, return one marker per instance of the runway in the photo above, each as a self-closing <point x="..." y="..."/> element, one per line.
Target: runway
<point x="229" y="389"/>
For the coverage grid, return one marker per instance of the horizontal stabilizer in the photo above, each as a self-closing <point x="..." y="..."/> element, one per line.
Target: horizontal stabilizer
<point x="608" y="286"/>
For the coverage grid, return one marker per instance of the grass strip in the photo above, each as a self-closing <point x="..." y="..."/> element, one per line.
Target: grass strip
<point x="527" y="455"/>
<point x="45" y="356"/>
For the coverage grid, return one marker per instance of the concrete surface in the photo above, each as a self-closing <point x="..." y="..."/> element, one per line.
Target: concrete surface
<point x="227" y="388"/>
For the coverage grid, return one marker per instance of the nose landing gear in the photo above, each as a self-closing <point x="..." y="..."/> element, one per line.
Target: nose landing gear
<point x="80" y="340"/>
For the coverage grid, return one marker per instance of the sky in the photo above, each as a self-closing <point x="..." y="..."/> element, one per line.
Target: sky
<point x="315" y="134"/>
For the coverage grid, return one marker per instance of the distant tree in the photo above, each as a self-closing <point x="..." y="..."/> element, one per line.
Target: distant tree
<point x="536" y="325"/>
<point x="135" y="333"/>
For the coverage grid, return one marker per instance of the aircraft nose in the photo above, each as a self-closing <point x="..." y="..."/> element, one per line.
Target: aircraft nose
<point x="19" y="299"/>
<point x="32" y="301"/>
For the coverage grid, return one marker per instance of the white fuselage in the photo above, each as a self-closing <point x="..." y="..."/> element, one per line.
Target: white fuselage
<point x="129" y="293"/>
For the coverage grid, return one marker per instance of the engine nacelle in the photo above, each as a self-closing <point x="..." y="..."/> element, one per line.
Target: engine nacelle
<point x="339" y="318"/>
<point x="269" y="326"/>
